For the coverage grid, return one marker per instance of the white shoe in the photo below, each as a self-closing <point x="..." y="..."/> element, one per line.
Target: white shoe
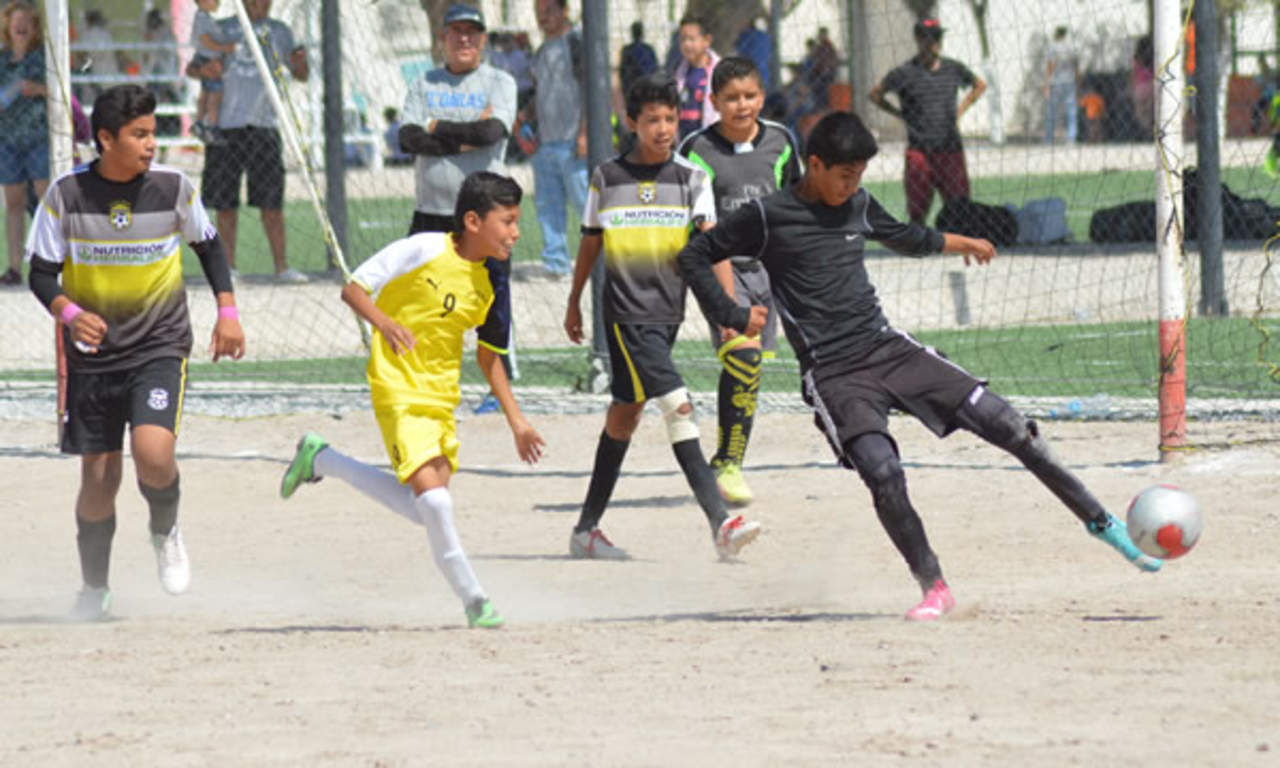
<point x="734" y="534"/>
<point x="235" y="274"/>
<point x="291" y="275"/>
<point x="92" y="604"/>
<point x="171" y="561"/>
<point x="594" y="545"/>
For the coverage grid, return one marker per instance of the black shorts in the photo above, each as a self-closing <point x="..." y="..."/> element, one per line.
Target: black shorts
<point x="640" y="359"/>
<point x="252" y="151"/>
<point x="853" y="398"/>
<point x="99" y="404"/>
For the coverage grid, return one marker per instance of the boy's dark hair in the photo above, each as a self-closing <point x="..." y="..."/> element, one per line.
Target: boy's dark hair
<point x="637" y="31"/>
<point x="698" y="21"/>
<point x="734" y="68"/>
<point x="390" y="114"/>
<point x="1059" y="33"/>
<point x="654" y="88"/>
<point x="482" y="191"/>
<point x="840" y="138"/>
<point x="118" y="106"/>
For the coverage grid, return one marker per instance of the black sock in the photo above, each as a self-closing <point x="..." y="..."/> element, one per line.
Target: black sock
<point x="164" y="506"/>
<point x="604" y="475"/>
<point x="94" y="542"/>
<point x="736" y="403"/>
<point x="702" y="480"/>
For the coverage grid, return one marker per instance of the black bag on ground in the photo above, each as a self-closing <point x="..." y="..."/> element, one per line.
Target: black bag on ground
<point x="1124" y="223"/>
<point x="965" y="217"/>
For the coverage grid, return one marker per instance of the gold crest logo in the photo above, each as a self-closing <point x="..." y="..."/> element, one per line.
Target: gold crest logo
<point x="121" y="215"/>
<point x="647" y="191"/>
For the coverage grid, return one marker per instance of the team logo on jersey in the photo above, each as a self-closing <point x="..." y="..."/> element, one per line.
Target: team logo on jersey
<point x="158" y="399"/>
<point x="647" y="191"/>
<point x="121" y="214"/>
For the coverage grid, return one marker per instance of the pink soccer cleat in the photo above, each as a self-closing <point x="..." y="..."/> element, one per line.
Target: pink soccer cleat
<point x="937" y="603"/>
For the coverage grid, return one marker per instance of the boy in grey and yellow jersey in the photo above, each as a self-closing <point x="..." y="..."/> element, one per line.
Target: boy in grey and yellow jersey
<point x="421" y="294"/>
<point x="746" y="158"/>
<point x="113" y="230"/>
<point x="640" y="210"/>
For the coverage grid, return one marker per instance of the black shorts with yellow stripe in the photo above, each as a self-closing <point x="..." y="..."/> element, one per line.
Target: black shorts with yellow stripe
<point x="640" y="359"/>
<point x="100" y="404"/>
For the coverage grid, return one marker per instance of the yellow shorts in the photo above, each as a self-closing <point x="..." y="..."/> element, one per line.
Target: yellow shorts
<point x="414" y="436"/>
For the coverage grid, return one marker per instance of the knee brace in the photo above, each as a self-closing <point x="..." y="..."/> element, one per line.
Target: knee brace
<point x="876" y="459"/>
<point x="677" y="411"/>
<point x="742" y="363"/>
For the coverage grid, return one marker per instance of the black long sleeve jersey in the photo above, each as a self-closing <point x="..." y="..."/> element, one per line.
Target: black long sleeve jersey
<point x="815" y="256"/>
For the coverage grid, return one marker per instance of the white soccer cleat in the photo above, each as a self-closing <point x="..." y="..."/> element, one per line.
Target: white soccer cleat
<point x="734" y="534"/>
<point x="92" y="604"/>
<point x="171" y="561"/>
<point x="594" y="545"/>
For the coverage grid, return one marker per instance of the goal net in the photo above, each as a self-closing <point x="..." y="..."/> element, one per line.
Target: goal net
<point x="1064" y="318"/>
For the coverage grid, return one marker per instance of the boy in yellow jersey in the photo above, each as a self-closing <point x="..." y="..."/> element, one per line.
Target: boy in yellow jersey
<point x="421" y="294"/>
<point x="640" y="210"/>
<point x="113" y="231"/>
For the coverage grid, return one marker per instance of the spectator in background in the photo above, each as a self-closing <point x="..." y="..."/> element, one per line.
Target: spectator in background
<point x="1095" y="109"/>
<point x="24" y="124"/>
<point x="826" y="63"/>
<point x="160" y="66"/>
<point x="395" y="155"/>
<point x="927" y="86"/>
<point x="638" y="58"/>
<point x="1142" y="83"/>
<point x="252" y="146"/>
<point x="559" y="163"/>
<point x="693" y="76"/>
<point x="206" y="38"/>
<point x="1061" y="73"/>
<point x="754" y="43"/>
<point x="102" y="59"/>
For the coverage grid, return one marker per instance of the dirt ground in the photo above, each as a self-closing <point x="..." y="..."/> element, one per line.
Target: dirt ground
<point x="318" y="633"/>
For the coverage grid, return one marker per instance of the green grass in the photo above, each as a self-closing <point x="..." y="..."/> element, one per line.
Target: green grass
<point x="1069" y="360"/>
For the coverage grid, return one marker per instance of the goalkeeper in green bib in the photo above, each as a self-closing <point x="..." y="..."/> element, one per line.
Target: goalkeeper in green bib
<point x="746" y="158"/>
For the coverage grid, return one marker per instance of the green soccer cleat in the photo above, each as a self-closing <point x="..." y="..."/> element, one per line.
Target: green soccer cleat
<point x="302" y="468"/>
<point x="733" y="488"/>
<point x="1115" y="533"/>
<point x="482" y="614"/>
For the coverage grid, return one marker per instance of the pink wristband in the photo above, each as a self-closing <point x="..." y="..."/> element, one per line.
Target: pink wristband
<point x="229" y="312"/>
<point x="70" y="311"/>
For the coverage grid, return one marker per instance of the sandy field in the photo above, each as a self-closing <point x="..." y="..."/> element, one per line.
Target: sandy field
<point x="318" y="633"/>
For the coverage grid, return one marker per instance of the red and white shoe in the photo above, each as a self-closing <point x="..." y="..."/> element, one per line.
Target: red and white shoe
<point x="937" y="603"/>
<point x="734" y="534"/>
<point x="594" y="545"/>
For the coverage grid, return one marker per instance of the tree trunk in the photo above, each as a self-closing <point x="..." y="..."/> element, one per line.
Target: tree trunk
<point x="435" y="17"/>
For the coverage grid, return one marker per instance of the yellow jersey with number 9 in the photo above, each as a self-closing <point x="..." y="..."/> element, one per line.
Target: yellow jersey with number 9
<point x="422" y="283"/>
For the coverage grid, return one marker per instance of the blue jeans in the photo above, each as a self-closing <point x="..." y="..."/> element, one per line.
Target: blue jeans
<point x="1062" y="99"/>
<point x="558" y="174"/>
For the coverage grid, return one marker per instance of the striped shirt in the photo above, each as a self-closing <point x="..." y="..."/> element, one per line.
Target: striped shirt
<point x="645" y="214"/>
<point x="928" y="99"/>
<point x="120" y="247"/>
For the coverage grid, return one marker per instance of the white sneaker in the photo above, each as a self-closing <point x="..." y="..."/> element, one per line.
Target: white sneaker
<point x="235" y="274"/>
<point x="92" y="604"/>
<point x="171" y="561"/>
<point x="734" y="534"/>
<point x="291" y="275"/>
<point x="594" y="545"/>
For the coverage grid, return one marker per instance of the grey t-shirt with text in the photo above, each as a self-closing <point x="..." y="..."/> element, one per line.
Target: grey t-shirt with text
<point x="442" y="95"/>
<point x="244" y="96"/>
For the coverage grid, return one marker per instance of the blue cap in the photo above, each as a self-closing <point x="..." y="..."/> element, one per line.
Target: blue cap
<point x="460" y="12"/>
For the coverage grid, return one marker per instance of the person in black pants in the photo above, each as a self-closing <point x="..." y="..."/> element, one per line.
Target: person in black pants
<point x="810" y="238"/>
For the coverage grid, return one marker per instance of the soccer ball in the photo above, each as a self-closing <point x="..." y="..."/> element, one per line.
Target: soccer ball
<point x="1164" y="521"/>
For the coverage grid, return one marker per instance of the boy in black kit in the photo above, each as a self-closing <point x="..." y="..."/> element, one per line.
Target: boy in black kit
<point x="854" y="365"/>
<point x="639" y="212"/>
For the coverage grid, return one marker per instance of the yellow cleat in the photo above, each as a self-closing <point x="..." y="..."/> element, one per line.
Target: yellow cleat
<point x="733" y="488"/>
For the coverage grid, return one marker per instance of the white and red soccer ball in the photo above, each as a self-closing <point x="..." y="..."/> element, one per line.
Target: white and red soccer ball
<point x="1164" y="521"/>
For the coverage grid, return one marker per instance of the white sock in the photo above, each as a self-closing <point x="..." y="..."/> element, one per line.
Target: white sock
<point x="381" y="486"/>
<point x="435" y="509"/>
